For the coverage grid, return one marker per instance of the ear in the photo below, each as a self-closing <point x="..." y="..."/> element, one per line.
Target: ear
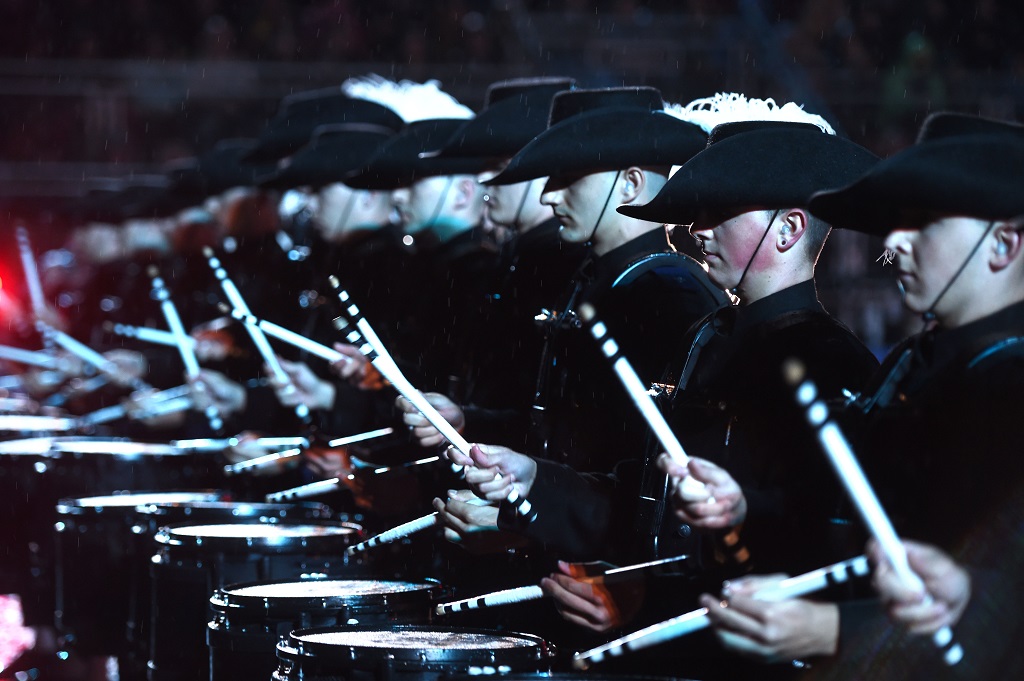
<point x="634" y="182"/>
<point x="792" y="225"/>
<point x="464" y="191"/>
<point x="1007" y="245"/>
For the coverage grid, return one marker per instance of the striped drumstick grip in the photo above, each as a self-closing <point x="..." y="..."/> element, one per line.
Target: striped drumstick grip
<point x="394" y="534"/>
<point x="519" y="594"/>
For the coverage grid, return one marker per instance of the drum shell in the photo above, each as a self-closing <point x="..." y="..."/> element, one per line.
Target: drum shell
<point x="40" y="472"/>
<point x="186" y="571"/>
<point x="102" y="567"/>
<point x="306" y="660"/>
<point x="246" y="628"/>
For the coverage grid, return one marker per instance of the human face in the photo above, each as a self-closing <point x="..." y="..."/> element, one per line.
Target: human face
<point x="578" y="201"/>
<point x="334" y="209"/>
<point x="422" y="203"/>
<point x="728" y="240"/>
<point x="927" y="259"/>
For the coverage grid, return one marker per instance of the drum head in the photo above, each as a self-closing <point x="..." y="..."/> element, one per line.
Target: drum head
<point x="324" y="536"/>
<point x="135" y="499"/>
<point x="175" y="512"/>
<point x="306" y="594"/>
<point x="417" y="647"/>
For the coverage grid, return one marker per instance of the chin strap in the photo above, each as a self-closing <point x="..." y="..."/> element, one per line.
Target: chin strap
<point x="736" y="289"/>
<point x="589" y="243"/>
<point x="928" y="316"/>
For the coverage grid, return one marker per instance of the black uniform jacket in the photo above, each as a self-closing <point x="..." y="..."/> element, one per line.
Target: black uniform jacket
<point x="736" y="411"/>
<point x="942" y="446"/>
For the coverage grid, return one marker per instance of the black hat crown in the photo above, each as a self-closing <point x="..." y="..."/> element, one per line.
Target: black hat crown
<point x="575" y="102"/>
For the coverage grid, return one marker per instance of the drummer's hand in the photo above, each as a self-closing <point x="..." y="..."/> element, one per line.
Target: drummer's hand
<point x="593" y="605"/>
<point x="473" y="526"/>
<point x="327" y="463"/>
<point x="212" y="387"/>
<point x="247" y="449"/>
<point x="493" y="471"/>
<point x="356" y="369"/>
<point x="718" y="504"/>
<point x="948" y="584"/>
<point x="426" y="434"/>
<point x="140" y="405"/>
<point x="305" y="387"/>
<point x="131" y="366"/>
<point x="771" y="631"/>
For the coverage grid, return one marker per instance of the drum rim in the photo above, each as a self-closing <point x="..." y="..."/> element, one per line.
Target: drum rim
<point x="73" y="505"/>
<point x="244" y="604"/>
<point x="168" y="540"/>
<point x="155" y="508"/>
<point x="319" y="652"/>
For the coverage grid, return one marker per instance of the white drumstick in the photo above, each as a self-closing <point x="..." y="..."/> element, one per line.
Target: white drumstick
<point x="378" y="355"/>
<point x="90" y="356"/>
<point x="696" y="620"/>
<point x="28" y="264"/>
<point x="857" y="486"/>
<point x="144" y="333"/>
<point x="406" y="529"/>
<point x="257" y="335"/>
<point x="313" y="489"/>
<point x="519" y="594"/>
<point x="534" y="592"/>
<point x="182" y="341"/>
<point x="297" y="340"/>
<point x="34" y="358"/>
<point x="117" y="411"/>
<point x="261" y="461"/>
<point x="639" y="395"/>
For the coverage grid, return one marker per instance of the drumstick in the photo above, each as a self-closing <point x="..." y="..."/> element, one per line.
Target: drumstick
<point x="281" y="333"/>
<point x="654" y="418"/>
<point x="257" y="335"/>
<point x="406" y="529"/>
<point x="90" y="356"/>
<point x="375" y="351"/>
<point x="860" y="491"/>
<point x="207" y="444"/>
<point x="181" y="341"/>
<point x="696" y="620"/>
<point x="144" y="333"/>
<point x="312" y="489"/>
<point x="28" y="264"/>
<point x="269" y="459"/>
<point x="533" y="592"/>
<point x="34" y="358"/>
<point x="358" y="463"/>
<point x="117" y="411"/>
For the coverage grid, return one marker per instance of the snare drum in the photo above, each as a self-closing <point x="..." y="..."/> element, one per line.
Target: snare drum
<point x="407" y="653"/>
<point x="192" y="561"/>
<point x="102" y="567"/>
<point x="250" y="619"/>
<point x="45" y="470"/>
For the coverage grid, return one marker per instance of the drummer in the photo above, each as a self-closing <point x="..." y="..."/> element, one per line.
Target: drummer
<point x="951" y="209"/>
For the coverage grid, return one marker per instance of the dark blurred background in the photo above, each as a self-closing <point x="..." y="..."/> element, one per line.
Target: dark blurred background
<point x="95" y="91"/>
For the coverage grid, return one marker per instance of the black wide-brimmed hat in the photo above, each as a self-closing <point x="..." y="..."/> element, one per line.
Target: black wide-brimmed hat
<point x="398" y="163"/>
<point x="773" y="164"/>
<point x="218" y="170"/>
<point x="301" y="113"/>
<point x="592" y="131"/>
<point x="515" y="111"/>
<point x="335" y="152"/>
<point x="960" y="165"/>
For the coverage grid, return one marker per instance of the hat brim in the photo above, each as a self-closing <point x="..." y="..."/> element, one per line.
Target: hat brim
<point x="602" y="140"/>
<point x="975" y="176"/>
<point x="769" y="167"/>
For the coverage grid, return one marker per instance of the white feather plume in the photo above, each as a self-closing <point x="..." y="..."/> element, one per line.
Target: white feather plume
<point x="733" y="107"/>
<point x="412" y="101"/>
